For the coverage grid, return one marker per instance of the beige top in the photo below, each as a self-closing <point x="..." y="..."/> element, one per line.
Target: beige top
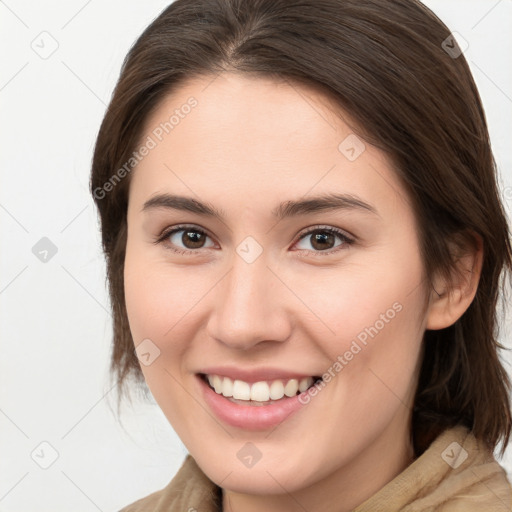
<point x="455" y="474"/>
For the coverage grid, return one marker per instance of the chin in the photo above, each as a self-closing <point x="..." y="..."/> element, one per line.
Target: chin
<point x="269" y="477"/>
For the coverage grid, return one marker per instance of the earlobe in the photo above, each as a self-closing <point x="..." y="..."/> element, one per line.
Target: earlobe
<point x="450" y="298"/>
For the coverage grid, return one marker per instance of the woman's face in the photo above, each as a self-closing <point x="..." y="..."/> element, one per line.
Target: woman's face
<point x="294" y="256"/>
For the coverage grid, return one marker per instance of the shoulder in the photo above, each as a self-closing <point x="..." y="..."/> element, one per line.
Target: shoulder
<point x="457" y="473"/>
<point x="467" y="477"/>
<point x="188" y="491"/>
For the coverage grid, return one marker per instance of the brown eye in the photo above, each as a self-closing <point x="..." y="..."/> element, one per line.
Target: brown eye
<point x="323" y="240"/>
<point x="183" y="239"/>
<point x="192" y="239"/>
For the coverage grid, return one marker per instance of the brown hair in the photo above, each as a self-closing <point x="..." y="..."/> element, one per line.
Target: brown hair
<point x="387" y="64"/>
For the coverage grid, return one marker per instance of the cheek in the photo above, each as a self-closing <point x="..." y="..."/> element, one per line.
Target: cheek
<point x="372" y="327"/>
<point x="164" y="305"/>
<point x="158" y="296"/>
<point x="366" y="302"/>
<point x="157" y="305"/>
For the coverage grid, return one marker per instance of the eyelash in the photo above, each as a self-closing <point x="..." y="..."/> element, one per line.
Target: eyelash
<point x="161" y="239"/>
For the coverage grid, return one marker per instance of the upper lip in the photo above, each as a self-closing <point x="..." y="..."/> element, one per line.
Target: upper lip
<point x="251" y="375"/>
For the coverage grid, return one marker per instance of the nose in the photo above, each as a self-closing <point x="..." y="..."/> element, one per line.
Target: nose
<point x="250" y="306"/>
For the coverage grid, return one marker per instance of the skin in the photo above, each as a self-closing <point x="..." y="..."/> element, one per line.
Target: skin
<point x="248" y="145"/>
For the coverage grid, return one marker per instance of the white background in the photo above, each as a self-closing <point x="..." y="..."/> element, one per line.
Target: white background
<point x="56" y="329"/>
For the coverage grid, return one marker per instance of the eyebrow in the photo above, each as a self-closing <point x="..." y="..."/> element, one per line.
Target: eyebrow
<point x="284" y="210"/>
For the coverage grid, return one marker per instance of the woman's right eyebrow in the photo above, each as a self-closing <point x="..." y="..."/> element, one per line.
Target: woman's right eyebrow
<point x="286" y="209"/>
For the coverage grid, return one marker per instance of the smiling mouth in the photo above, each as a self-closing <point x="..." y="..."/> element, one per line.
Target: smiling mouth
<point x="258" y="393"/>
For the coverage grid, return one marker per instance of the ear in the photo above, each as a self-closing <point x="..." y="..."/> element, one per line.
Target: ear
<point x="449" y="299"/>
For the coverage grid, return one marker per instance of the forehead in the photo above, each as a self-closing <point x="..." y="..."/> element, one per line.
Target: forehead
<point x="232" y="100"/>
<point x="259" y="136"/>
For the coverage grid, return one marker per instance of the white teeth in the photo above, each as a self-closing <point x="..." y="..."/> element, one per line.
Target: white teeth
<point x="304" y="384"/>
<point x="241" y="390"/>
<point x="276" y="390"/>
<point x="291" y="388"/>
<point x="226" y="386"/>
<point x="259" y="391"/>
<point x="217" y="383"/>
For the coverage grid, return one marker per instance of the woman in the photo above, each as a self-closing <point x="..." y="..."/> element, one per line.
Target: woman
<point x="305" y="246"/>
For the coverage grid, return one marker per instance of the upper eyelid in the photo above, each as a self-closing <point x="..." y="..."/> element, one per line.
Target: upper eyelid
<point x="167" y="232"/>
<point x="320" y="227"/>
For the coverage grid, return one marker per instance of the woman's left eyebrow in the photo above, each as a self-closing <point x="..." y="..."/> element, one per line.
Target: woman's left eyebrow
<point x="284" y="210"/>
<point x="321" y="203"/>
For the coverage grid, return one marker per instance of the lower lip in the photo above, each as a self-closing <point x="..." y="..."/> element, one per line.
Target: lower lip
<point x="249" y="417"/>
